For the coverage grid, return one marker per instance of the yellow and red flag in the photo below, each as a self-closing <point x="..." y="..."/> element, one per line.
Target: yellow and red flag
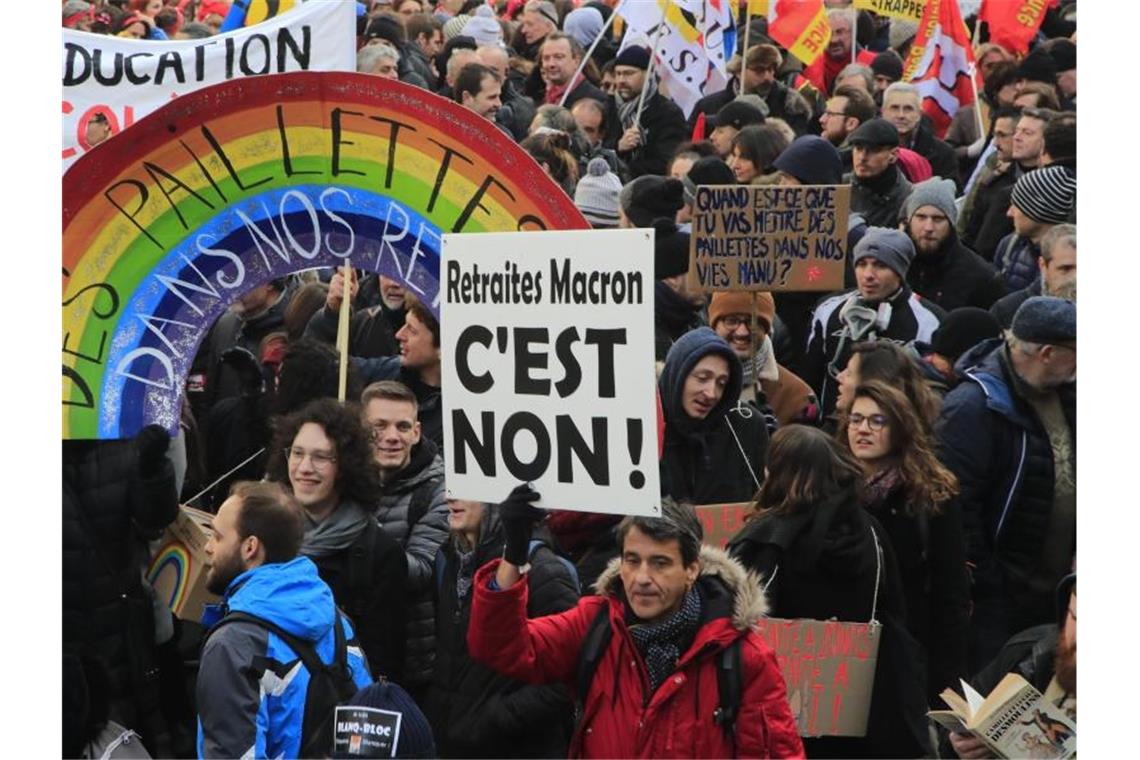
<point x="800" y="26"/>
<point x="941" y="63"/>
<point x="1013" y="23"/>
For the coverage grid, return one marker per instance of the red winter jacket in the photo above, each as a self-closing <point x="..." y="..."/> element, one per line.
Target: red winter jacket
<point x="677" y="721"/>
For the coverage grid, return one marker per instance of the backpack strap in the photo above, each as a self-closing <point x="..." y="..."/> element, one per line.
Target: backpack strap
<point x="730" y="686"/>
<point x="597" y="640"/>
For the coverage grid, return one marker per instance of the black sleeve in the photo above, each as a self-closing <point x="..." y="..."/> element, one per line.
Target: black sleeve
<point x="384" y="644"/>
<point x="154" y="500"/>
<point x="950" y="599"/>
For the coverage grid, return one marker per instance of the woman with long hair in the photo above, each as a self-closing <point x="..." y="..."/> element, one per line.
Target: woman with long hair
<point x="912" y="495"/>
<point x="754" y="149"/>
<point x="888" y="362"/>
<point x="822" y="556"/>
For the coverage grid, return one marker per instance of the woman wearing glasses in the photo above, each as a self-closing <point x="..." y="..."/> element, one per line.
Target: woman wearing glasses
<point x="912" y="494"/>
<point x="821" y="556"/>
<point x="323" y="454"/>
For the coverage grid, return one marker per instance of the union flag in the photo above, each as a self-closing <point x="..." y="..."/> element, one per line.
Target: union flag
<point x="941" y="63"/>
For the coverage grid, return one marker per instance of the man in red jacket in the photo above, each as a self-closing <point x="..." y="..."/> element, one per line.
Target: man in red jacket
<point x="672" y="606"/>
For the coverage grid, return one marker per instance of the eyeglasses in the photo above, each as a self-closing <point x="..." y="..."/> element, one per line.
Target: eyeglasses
<point x="874" y="421"/>
<point x="733" y="321"/>
<point x="840" y="114"/>
<point x="321" y="459"/>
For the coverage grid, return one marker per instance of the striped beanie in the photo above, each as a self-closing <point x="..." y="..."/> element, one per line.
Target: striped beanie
<point x="1046" y="195"/>
<point x="596" y="195"/>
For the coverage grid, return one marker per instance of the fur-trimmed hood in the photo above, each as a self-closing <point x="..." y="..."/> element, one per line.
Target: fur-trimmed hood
<point x="749" y="604"/>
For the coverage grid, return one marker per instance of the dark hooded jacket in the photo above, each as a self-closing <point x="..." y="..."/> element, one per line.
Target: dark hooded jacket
<point x="474" y="711"/>
<point x="991" y="439"/>
<point x="821" y="564"/>
<point x="955" y="276"/>
<point x="718" y="459"/>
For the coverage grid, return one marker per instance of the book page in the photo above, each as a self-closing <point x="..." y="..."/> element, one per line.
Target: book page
<point x="973" y="698"/>
<point x="1028" y="726"/>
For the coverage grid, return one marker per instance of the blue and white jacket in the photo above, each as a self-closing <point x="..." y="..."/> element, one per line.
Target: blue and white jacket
<point x="251" y="685"/>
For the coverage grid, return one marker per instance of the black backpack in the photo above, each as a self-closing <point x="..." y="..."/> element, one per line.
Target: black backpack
<point x="729" y="679"/>
<point x="330" y="684"/>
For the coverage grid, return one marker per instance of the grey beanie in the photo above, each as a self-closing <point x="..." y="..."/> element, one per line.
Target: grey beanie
<point x="1047" y="320"/>
<point x="901" y="32"/>
<point x="890" y="246"/>
<point x="1046" y="195"/>
<point x="937" y="192"/>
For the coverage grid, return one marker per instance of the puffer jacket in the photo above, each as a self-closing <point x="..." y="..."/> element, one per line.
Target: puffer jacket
<point x="251" y="693"/>
<point x="474" y="711"/>
<point x="720" y="458"/>
<point x="992" y="440"/>
<point x="412" y="511"/>
<point x="954" y="276"/>
<point x="619" y="719"/>
<point x="1016" y="261"/>
<point x="109" y="508"/>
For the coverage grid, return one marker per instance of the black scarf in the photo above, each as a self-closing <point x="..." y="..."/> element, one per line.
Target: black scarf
<point x="661" y="644"/>
<point x="882" y="184"/>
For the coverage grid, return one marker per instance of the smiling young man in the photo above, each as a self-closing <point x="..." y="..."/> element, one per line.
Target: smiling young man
<point x="322" y="452"/>
<point x="882" y="307"/>
<point x="715" y="448"/>
<point x="671" y="607"/>
<point x="411" y="509"/>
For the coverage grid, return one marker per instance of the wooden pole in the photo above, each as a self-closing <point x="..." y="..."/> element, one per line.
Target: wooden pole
<point x="342" y="332"/>
<point x="747" y="37"/>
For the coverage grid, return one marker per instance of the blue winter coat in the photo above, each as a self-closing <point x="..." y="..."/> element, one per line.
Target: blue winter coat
<point x="251" y="685"/>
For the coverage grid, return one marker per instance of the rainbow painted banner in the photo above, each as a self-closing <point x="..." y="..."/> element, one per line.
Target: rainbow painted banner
<point x="233" y="185"/>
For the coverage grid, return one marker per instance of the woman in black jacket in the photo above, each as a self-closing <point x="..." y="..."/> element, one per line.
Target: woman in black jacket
<point x="474" y="711"/>
<point x="911" y="494"/>
<point x="821" y="557"/>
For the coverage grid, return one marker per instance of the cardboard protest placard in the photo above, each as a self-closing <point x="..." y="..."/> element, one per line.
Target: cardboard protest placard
<point x="126" y="79"/>
<point x="753" y="237"/>
<point x="178" y="570"/>
<point x="829" y="669"/>
<point x="248" y="181"/>
<point x="365" y="732"/>
<point x="547" y="343"/>
<point x="721" y="521"/>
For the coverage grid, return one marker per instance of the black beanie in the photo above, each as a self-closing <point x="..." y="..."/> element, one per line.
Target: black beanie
<point x="414" y="738"/>
<point x="649" y="197"/>
<point x="1038" y="66"/>
<point x="888" y="64"/>
<point x="812" y="160"/>
<point x="1064" y="54"/>
<point x="710" y="170"/>
<point x="670" y="250"/>
<point x="963" y="329"/>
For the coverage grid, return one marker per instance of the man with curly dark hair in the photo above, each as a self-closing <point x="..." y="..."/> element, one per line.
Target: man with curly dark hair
<point x="323" y="454"/>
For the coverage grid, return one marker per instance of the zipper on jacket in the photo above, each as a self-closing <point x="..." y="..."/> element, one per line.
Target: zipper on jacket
<point x="1013" y="486"/>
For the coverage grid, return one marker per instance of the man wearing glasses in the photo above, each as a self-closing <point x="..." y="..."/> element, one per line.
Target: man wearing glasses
<point x="322" y="454"/>
<point x="845" y="111"/>
<point x="412" y="511"/>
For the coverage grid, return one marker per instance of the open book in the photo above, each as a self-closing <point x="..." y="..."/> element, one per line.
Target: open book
<point x="1013" y="721"/>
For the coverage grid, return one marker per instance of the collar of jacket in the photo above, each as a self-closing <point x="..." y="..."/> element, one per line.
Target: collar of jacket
<point x="749" y="605"/>
<point x="881" y="185"/>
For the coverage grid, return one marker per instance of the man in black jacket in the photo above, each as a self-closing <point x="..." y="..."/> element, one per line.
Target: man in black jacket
<point x="647" y="143"/>
<point x="372" y="331"/>
<point x="1008" y="432"/>
<point x="1058" y="265"/>
<point x="878" y="188"/>
<point x="902" y="107"/>
<point x="945" y="271"/>
<point x="517" y="110"/>
<point x="559" y="59"/>
<point x="474" y="711"/>
<point x="756" y="75"/>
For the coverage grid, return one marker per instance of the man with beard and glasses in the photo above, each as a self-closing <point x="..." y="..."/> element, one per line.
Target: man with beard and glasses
<point x="372" y="329"/>
<point x="944" y="270"/>
<point x="1008" y="432"/>
<point x="251" y="693"/>
<point x="645" y="144"/>
<point x="1045" y="656"/>
<point x="1058" y="264"/>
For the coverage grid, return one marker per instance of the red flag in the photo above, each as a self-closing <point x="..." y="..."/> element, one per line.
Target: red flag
<point x="1013" y="23"/>
<point x="941" y="63"/>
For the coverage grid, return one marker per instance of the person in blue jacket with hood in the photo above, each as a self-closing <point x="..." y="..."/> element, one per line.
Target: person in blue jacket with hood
<point x="715" y="445"/>
<point x="251" y="686"/>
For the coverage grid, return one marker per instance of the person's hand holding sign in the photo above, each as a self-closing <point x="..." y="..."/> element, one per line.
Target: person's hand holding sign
<point x="336" y="291"/>
<point x="519" y="516"/>
<point x="630" y="139"/>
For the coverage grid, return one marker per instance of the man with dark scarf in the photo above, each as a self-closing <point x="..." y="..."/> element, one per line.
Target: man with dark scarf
<point x="647" y="143"/>
<point x="671" y="607"/>
<point x="878" y="188"/>
<point x="322" y="453"/>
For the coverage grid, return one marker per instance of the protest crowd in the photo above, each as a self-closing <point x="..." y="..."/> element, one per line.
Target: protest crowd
<point x="902" y="447"/>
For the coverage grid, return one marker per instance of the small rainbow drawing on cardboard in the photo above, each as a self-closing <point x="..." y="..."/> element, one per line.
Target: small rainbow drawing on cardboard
<point x="175" y="557"/>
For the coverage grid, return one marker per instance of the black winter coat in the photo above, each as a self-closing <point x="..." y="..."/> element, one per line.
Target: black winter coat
<point x="954" y="277"/>
<point x="368" y="580"/>
<point x="663" y="128"/>
<point x="821" y="564"/>
<point x="1005" y="307"/>
<point x="880" y="200"/>
<point x="474" y="711"/>
<point x="371" y="333"/>
<point x="109" y="509"/>
<point x="943" y="161"/>
<point x="992" y="440"/>
<point x="931" y="554"/>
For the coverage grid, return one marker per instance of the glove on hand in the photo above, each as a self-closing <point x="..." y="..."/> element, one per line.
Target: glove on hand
<point x="151" y="443"/>
<point x="519" y="516"/>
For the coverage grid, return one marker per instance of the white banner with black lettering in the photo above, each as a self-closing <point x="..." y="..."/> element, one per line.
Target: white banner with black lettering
<point x="126" y="79"/>
<point x="548" y="372"/>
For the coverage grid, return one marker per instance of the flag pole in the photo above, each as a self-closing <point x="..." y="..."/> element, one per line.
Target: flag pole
<point x="854" y="27"/>
<point x="747" y="37"/>
<point x="590" y="52"/>
<point x="342" y="333"/>
<point x="652" y="63"/>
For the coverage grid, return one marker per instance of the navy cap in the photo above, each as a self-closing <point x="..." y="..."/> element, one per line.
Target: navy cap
<point x="876" y="133"/>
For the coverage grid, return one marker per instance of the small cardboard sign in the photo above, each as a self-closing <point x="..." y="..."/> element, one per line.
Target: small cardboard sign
<point x="365" y="732"/>
<point x="178" y="571"/>
<point x="721" y="521"/>
<point x="829" y="669"/>
<point x="769" y="237"/>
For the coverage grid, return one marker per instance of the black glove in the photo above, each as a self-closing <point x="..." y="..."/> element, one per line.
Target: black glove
<point x="152" y="442"/>
<point x="519" y="516"/>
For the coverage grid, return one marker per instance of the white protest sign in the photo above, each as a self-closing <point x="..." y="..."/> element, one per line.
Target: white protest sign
<point x="547" y="346"/>
<point x="126" y="79"/>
